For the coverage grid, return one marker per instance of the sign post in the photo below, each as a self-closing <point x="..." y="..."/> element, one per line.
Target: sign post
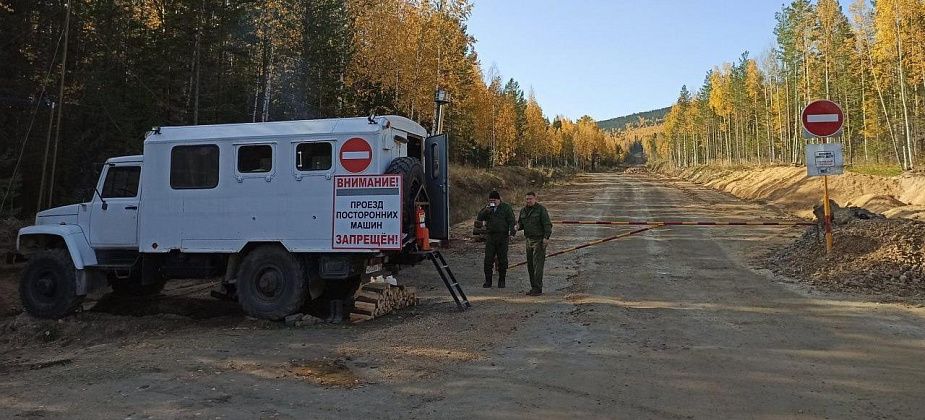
<point x="823" y="119"/>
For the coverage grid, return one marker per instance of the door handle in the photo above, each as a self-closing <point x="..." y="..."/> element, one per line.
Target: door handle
<point x="131" y="207"/>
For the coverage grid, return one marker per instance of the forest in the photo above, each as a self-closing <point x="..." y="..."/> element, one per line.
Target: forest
<point x="84" y="80"/>
<point x="869" y="59"/>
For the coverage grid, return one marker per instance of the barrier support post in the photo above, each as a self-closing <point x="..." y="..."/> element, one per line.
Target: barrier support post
<point x="827" y="215"/>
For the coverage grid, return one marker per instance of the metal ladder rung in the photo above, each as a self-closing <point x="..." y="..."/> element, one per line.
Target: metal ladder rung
<point x="449" y="280"/>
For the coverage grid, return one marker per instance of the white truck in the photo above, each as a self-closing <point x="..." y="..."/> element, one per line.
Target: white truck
<point x="285" y="212"/>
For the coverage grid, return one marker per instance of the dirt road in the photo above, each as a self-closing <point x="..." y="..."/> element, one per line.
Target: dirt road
<point x="671" y="323"/>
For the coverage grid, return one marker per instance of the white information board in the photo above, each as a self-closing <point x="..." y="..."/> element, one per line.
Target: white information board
<point x="367" y="212"/>
<point x="825" y="159"/>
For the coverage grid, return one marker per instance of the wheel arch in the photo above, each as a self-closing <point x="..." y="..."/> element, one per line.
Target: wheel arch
<point x="32" y="239"/>
<point x="252" y="245"/>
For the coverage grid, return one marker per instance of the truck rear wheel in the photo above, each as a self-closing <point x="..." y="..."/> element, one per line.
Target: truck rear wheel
<point x="48" y="287"/>
<point x="412" y="173"/>
<point x="271" y="283"/>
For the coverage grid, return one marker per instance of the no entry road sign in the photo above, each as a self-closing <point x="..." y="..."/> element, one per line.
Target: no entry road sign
<point x="823" y="118"/>
<point x="356" y="155"/>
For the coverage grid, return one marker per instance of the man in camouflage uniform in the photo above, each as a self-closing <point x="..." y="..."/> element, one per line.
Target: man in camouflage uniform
<point x="498" y="220"/>
<point x="534" y="221"/>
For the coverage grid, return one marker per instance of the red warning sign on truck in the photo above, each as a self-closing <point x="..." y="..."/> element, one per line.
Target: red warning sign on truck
<point x="367" y="212"/>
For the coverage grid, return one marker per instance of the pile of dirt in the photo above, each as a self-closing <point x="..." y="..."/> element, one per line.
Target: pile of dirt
<point x="87" y="328"/>
<point x="636" y="170"/>
<point x="9" y="290"/>
<point x="789" y="189"/>
<point x="880" y="256"/>
<point x="843" y="215"/>
<point x="9" y="227"/>
<point x="877" y="203"/>
<point x="9" y="272"/>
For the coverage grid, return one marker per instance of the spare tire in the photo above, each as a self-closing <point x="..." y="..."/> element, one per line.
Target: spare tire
<point x="412" y="173"/>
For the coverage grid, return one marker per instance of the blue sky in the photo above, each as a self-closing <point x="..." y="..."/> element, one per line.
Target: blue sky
<point x="611" y="58"/>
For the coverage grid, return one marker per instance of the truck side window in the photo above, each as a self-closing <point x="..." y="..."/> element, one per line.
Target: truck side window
<point x="194" y="167"/>
<point x="313" y="156"/>
<point x="121" y="182"/>
<point x="255" y="159"/>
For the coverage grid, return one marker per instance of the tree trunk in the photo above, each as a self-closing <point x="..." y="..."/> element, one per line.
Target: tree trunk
<point x="268" y="86"/>
<point x="768" y="100"/>
<point x="846" y="137"/>
<point x="902" y="90"/>
<point x="864" y="115"/>
<point x="886" y="113"/>
<point x="196" y="84"/>
<point x="54" y="153"/>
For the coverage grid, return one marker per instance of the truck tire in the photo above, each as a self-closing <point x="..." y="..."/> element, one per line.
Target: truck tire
<point x="271" y="283"/>
<point x="132" y="287"/>
<point x="412" y="173"/>
<point x="48" y="287"/>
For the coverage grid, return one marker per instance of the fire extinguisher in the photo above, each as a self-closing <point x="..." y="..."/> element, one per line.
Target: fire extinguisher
<point x="422" y="233"/>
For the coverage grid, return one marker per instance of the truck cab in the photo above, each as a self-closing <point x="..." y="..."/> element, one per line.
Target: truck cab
<point x="253" y="204"/>
<point x="111" y="215"/>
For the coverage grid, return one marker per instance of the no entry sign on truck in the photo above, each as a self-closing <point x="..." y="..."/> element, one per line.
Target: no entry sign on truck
<point x="367" y="212"/>
<point x="356" y="155"/>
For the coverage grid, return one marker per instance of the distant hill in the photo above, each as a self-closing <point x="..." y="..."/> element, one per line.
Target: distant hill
<point x="620" y="122"/>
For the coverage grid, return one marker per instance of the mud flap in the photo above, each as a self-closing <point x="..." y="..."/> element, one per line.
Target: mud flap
<point x="82" y="281"/>
<point x="87" y="281"/>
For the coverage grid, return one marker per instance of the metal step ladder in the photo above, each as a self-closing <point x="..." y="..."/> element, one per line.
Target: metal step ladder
<point x="446" y="274"/>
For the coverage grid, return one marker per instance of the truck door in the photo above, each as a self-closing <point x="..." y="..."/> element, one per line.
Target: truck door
<point x="437" y="185"/>
<point x="314" y="171"/>
<point x="114" y="218"/>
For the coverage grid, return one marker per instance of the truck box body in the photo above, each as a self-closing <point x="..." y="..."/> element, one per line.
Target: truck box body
<point x="282" y="201"/>
<point x="252" y="203"/>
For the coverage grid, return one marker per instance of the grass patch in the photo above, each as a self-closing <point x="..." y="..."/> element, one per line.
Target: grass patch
<point x="469" y="186"/>
<point x="876" y="170"/>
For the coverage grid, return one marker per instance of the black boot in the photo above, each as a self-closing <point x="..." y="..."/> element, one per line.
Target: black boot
<point x="487" y="284"/>
<point x="336" y="315"/>
<point x="501" y="278"/>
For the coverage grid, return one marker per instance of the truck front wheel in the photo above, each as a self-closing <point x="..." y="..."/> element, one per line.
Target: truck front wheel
<point x="271" y="283"/>
<point x="48" y="286"/>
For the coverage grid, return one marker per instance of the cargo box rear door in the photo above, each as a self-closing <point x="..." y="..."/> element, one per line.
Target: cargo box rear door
<point x="437" y="184"/>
